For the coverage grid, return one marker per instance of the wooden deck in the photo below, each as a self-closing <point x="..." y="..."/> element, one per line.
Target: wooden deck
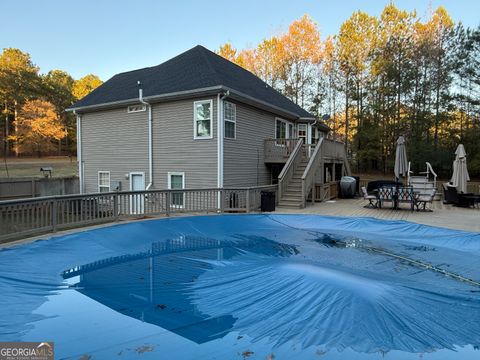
<point x="447" y="216"/>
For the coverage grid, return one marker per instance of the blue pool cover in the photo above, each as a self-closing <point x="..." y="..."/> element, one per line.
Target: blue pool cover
<point x="247" y="287"/>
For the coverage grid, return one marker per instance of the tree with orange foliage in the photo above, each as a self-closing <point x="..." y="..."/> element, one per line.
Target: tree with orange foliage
<point x="300" y="51"/>
<point x="38" y="124"/>
<point x="228" y="52"/>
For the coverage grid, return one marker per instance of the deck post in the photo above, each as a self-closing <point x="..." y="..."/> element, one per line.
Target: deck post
<point x="54" y="215"/>
<point x="115" y="207"/>
<point x="220" y="201"/>
<point x="247" y="202"/>
<point x="167" y="205"/>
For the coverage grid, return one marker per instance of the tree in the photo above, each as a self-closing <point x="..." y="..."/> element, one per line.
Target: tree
<point x="19" y="81"/>
<point x="356" y="41"/>
<point x="58" y="90"/>
<point x="228" y="52"/>
<point x="301" y="50"/>
<point x="37" y="126"/>
<point x="85" y="85"/>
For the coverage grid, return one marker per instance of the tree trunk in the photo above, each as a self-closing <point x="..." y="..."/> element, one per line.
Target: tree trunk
<point x="7" y="131"/>
<point x="15" y="114"/>
<point x="346" y="111"/>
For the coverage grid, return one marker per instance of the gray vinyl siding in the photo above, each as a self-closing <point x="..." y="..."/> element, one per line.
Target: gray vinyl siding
<point x="175" y="150"/>
<point x="243" y="157"/>
<point x="115" y="141"/>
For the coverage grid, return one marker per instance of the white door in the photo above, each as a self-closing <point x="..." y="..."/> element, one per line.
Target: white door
<point x="302" y="132"/>
<point x="137" y="201"/>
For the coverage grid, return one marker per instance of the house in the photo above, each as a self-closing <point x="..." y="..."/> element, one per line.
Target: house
<point x="199" y="121"/>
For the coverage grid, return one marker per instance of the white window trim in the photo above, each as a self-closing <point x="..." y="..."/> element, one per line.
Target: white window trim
<point x="169" y="181"/>
<point x="234" y="121"/>
<point x="306" y="132"/>
<point x="143" y="107"/>
<point x="98" y="180"/>
<point x="195" y="137"/>
<point x="287" y="132"/>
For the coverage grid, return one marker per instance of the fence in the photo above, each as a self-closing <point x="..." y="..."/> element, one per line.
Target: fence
<point x="19" y="218"/>
<point x="33" y="187"/>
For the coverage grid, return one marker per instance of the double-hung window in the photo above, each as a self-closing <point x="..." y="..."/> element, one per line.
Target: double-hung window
<point x="176" y="180"/>
<point x="202" y="119"/>
<point x="281" y="129"/>
<point x="103" y="181"/>
<point x="229" y="115"/>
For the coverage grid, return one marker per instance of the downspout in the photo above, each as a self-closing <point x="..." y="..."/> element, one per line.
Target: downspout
<point x="79" y="150"/>
<point x="220" y="134"/>
<point x="220" y="142"/>
<point x="150" y="135"/>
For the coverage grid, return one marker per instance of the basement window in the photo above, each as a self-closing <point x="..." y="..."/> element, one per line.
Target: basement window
<point x="137" y="108"/>
<point x="103" y="181"/>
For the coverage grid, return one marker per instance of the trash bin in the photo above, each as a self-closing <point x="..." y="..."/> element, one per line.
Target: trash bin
<point x="347" y="187"/>
<point x="267" y="201"/>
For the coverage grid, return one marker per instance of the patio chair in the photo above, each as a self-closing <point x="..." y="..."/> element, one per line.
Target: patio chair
<point x="372" y="199"/>
<point x="421" y="200"/>
<point x="451" y="196"/>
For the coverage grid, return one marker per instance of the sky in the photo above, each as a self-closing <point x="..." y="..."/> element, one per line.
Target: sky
<point x="105" y="37"/>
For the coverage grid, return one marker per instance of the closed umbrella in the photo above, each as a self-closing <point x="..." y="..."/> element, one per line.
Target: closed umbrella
<point x="401" y="162"/>
<point x="460" y="171"/>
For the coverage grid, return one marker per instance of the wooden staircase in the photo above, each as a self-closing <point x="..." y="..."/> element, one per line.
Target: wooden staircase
<point x="297" y="178"/>
<point x="292" y="197"/>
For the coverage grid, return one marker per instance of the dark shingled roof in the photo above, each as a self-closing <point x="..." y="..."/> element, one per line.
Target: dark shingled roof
<point x="196" y="68"/>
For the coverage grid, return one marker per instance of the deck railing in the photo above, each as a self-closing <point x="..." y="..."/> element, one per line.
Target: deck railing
<point x="289" y="169"/>
<point x="308" y="177"/>
<point x="20" y="218"/>
<point x="278" y="150"/>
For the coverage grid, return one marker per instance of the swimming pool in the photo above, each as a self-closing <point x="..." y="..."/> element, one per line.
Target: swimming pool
<point x="247" y="287"/>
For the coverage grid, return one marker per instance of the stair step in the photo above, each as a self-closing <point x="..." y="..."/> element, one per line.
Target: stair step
<point x="291" y="192"/>
<point x="290" y="204"/>
<point x="296" y="199"/>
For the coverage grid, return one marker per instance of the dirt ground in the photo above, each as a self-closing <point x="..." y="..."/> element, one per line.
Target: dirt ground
<point x="63" y="166"/>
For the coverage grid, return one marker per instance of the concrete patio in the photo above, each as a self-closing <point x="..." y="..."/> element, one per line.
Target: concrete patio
<point x="447" y="216"/>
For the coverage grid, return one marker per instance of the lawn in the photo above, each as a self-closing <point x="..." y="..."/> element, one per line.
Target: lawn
<point x="63" y="166"/>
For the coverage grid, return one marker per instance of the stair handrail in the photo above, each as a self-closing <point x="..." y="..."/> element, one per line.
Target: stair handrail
<point x="289" y="168"/>
<point x="430" y="169"/>
<point x="408" y="173"/>
<point x="309" y="173"/>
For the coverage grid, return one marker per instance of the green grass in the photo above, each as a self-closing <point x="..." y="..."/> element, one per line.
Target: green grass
<point x="30" y="167"/>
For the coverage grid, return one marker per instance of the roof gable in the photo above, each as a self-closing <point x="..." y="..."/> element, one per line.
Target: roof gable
<point x="197" y="68"/>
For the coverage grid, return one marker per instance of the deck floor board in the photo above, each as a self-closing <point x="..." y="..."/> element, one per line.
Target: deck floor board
<point x="447" y="216"/>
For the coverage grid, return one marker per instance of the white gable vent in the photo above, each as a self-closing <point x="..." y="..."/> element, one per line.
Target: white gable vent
<point x="136" y="108"/>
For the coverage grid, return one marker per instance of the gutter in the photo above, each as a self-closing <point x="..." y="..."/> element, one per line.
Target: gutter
<point x="150" y="135"/>
<point x="202" y="91"/>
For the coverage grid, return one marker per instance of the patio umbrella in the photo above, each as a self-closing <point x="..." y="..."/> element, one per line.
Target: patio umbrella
<point x="401" y="162"/>
<point x="460" y="172"/>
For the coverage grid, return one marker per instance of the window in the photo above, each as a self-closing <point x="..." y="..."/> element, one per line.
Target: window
<point x="103" y="181"/>
<point x="229" y="116"/>
<point x="302" y="132"/>
<point x="202" y="114"/>
<point x="281" y="129"/>
<point x="176" y="180"/>
<point x="137" y="108"/>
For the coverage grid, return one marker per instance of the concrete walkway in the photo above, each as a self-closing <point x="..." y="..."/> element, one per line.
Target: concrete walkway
<point x="447" y="216"/>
